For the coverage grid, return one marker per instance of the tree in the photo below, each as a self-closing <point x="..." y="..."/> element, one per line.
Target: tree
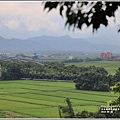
<point x="93" y="78"/>
<point x="67" y="110"/>
<point x="87" y="86"/>
<point x="83" y="114"/>
<point x="117" y="75"/>
<point x="104" y="87"/>
<point x="88" y="13"/>
<point x="12" y="71"/>
<point x="115" y="102"/>
<point x="115" y="89"/>
<point x="86" y="114"/>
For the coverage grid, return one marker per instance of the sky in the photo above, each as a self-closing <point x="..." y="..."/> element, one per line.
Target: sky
<point x="23" y="20"/>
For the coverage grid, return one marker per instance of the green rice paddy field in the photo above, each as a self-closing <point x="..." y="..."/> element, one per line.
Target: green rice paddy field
<point x="40" y="99"/>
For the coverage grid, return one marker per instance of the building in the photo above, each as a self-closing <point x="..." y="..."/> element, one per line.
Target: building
<point x="103" y="55"/>
<point x="106" y="55"/>
<point x="109" y="54"/>
<point x="70" y="57"/>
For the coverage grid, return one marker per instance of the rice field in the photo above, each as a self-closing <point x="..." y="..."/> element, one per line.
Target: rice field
<point x="40" y="99"/>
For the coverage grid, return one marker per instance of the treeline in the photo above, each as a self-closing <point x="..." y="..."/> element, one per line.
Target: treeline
<point x="97" y="80"/>
<point x="87" y="59"/>
<point x="86" y="78"/>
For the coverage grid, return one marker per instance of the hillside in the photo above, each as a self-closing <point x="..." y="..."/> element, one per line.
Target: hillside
<point x="51" y="43"/>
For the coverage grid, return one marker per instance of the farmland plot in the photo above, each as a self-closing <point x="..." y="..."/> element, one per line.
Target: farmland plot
<point x="40" y="99"/>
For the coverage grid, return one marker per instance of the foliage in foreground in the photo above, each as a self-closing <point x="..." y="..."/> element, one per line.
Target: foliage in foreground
<point x="67" y="111"/>
<point x="115" y="89"/>
<point x="79" y="14"/>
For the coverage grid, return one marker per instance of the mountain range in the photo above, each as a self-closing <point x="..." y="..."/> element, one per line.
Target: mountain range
<point x="51" y="43"/>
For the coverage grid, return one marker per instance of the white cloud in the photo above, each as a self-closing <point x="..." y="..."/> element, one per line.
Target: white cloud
<point x="31" y="14"/>
<point x="30" y="17"/>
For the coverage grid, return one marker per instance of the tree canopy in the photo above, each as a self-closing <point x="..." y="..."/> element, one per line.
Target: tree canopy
<point x="85" y="13"/>
<point x="115" y="89"/>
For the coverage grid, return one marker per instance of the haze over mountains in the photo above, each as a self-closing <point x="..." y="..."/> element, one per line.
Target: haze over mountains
<point x="51" y="43"/>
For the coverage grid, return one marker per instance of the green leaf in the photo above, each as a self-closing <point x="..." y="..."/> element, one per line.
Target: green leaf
<point x="51" y="5"/>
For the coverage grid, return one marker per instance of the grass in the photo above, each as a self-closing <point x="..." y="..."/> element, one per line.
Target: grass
<point x="40" y="99"/>
<point x="110" y="66"/>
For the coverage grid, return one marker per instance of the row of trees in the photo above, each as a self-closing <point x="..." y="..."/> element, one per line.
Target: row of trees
<point x="87" y="59"/>
<point x="50" y="70"/>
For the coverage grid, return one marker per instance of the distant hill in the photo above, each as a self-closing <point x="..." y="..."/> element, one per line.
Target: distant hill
<point x="51" y="43"/>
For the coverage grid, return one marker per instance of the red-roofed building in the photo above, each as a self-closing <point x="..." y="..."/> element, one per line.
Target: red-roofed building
<point x="109" y="54"/>
<point x="106" y="55"/>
